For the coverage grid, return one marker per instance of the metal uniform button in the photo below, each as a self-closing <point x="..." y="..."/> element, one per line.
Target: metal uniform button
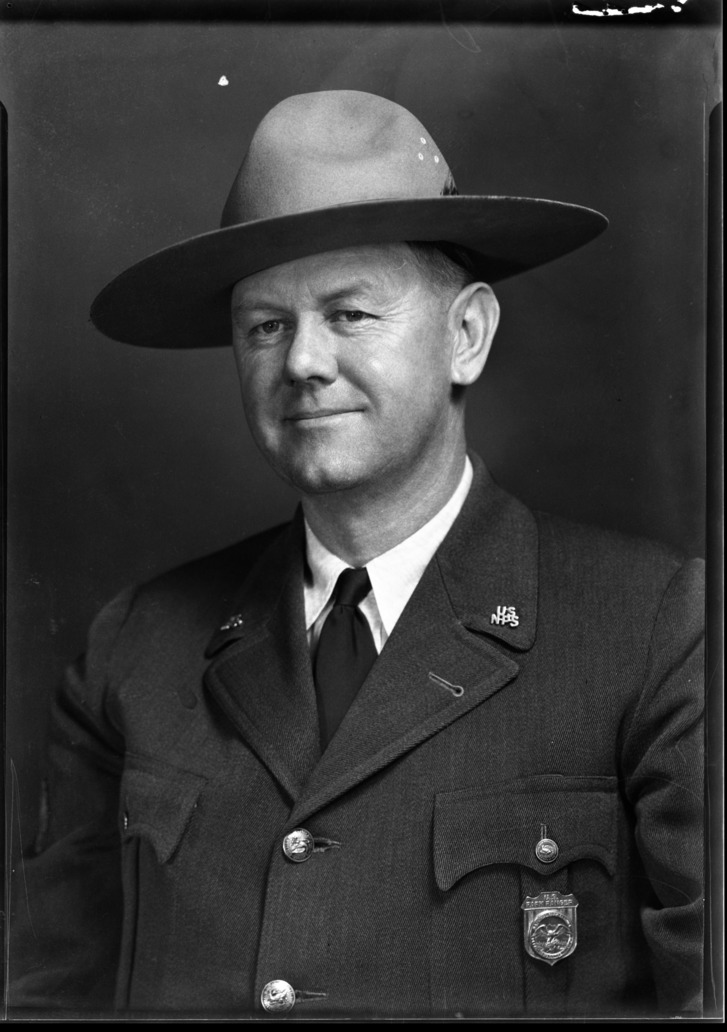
<point x="298" y="845"/>
<point x="547" y="851"/>
<point x="278" y="996"/>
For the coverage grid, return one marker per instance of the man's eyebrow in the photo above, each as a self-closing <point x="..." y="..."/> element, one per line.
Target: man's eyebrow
<point x="254" y="304"/>
<point x="357" y="286"/>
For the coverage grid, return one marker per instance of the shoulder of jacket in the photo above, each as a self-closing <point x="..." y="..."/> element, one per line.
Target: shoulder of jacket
<point x="207" y="578"/>
<point x="571" y="551"/>
<point x="559" y="532"/>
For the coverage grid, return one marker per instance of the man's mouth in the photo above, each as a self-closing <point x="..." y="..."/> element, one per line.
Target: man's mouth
<point x="315" y="414"/>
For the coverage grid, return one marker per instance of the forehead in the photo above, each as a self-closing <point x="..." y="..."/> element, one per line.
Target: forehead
<point x="374" y="267"/>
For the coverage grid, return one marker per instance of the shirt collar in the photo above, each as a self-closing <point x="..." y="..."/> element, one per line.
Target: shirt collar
<point x="322" y="573"/>
<point x="394" y="574"/>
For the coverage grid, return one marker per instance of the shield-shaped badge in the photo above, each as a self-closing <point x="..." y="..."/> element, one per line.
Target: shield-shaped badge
<point x="550" y="926"/>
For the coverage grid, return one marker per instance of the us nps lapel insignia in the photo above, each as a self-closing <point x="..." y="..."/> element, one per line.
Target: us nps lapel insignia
<point x="505" y="615"/>
<point x="550" y="926"/>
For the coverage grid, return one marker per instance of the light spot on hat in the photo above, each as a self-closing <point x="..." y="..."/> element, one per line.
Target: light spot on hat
<point x="422" y="139"/>
<point x="420" y="156"/>
<point x="223" y="81"/>
<point x="436" y="159"/>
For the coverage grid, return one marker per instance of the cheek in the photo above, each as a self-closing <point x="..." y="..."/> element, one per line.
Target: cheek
<point x="257" y="375"/>
<point x="256" y="403"/>
<point x="411" y="374"/>
<point x="240" y="363"/>
<point x="399" y="361"/>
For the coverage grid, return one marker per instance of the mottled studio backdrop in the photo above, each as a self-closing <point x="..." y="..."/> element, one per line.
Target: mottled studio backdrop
<point x="123" y="462"/>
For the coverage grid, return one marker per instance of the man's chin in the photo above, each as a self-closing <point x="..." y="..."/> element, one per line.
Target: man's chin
<point x="321" y="478"/>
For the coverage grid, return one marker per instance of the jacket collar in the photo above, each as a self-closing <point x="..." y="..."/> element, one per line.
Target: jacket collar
<point x="489" y="563"/>
<point x="268" y="586"/>
<point x="261" y="672"/>
<point x="445" y="655"/>
<point x="478" y="594"/>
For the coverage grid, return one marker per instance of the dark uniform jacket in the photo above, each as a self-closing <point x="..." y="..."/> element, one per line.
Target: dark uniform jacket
<point x="542" y="682"/>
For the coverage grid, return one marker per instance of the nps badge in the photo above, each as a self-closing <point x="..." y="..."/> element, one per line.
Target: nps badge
<point x="550" y="926"/>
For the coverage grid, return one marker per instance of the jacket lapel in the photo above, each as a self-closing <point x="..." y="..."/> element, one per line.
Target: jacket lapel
<point x="261" y="674"/>
<point x="444" y="656"/>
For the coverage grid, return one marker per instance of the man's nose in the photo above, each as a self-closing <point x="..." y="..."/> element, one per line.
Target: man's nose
<point x="311" y="353"/>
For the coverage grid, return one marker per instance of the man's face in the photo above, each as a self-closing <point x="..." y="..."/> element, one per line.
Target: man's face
<point x="344" y="360"/>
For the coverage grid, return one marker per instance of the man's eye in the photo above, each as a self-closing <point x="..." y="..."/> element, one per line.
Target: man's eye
<point x="267" y="328"/>
<point x="351" y="316"/>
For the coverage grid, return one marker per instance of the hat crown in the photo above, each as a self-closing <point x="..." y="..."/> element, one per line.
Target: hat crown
<point x="333" y="147"/>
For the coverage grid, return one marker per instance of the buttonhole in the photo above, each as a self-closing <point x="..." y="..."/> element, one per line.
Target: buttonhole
<point x="455" y="689"/>
<point x="320" y="845"/>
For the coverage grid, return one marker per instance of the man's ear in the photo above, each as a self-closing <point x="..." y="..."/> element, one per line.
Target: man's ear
<point x="474" y="315"/>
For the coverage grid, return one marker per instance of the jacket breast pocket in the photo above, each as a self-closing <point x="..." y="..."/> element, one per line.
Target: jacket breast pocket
<point x="157" y="805"/>
<point x="157" y="823"/>
<point x="493" y="848"/>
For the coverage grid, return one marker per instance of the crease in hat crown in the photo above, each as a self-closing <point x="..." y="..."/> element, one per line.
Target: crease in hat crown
<point x="326" y="170"/>
<point x="316" y="150"/>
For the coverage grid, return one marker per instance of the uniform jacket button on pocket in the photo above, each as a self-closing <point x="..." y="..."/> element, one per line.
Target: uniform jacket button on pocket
<point x="547" y="851"/>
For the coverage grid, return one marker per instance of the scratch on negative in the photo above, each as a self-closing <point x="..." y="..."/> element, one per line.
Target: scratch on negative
<point x="15" y="796"/>
<point x="471" y="45"/>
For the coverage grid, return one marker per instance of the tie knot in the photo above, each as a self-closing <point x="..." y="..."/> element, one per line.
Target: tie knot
<point x="352" y="587"/>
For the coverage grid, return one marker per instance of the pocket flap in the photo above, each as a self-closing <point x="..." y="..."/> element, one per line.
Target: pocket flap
<point x="476" y="827"/>
<point x="158" y="805"/>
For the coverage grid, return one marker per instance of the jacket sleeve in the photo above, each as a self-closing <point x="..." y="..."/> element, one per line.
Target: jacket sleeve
<point x="66" y="905"/>
<point x="663" y="767"/>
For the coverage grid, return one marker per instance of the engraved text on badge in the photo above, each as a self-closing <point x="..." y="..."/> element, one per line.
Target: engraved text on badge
<point x="550" y="926"/>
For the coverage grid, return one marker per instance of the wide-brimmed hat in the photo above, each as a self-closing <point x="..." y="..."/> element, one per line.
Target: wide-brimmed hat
<point x="324" y="171"/>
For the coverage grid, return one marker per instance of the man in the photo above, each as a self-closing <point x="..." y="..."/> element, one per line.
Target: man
<point x="420" y="752"/>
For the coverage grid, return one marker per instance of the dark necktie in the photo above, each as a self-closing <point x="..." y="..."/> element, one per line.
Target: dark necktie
<point x="345" y="652"/>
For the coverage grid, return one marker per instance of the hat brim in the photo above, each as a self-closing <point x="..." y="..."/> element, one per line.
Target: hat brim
<point x="180" y="297"/>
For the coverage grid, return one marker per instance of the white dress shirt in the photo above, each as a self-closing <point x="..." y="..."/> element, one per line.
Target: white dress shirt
<point x="393" y="574"/>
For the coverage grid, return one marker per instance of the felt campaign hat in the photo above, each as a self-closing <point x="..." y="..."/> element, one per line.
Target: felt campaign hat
<point x="324" y="171"/>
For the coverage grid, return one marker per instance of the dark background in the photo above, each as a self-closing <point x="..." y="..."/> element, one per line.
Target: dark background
<point x="123" y="462"/>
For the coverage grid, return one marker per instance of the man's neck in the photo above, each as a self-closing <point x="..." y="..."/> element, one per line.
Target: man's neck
<point x="358" y="526"/>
